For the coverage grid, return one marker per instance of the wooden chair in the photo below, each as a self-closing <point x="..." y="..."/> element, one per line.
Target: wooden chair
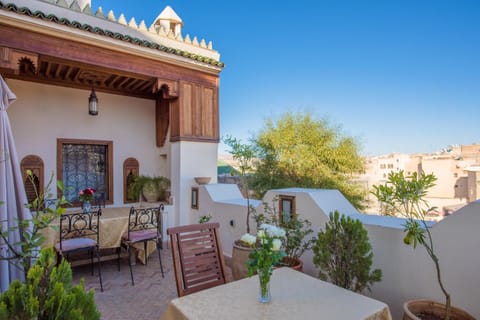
<point x="197" y="257"/>
<point x="79" y="232"/>
<point x="144" y="225"/>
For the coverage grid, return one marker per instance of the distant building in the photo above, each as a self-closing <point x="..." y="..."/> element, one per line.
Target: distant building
<point x="457" y="169"/>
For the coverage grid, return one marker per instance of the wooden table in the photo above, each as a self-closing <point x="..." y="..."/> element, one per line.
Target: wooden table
<point x="295" y="295"/>
<point x="113" y="224"/>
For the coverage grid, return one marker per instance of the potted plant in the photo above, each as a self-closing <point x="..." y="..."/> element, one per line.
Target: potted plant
<point x="297" y="241"/>
<point x="150" y="188"/>
<point x="297" y="238"/>
<point x="344" y="254"/>
<point x="405" y="196"/>
<point x="245" y="155"/>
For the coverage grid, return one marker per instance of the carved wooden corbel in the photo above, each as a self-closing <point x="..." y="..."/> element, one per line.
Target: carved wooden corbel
<point x="169" y="88"/>
<point x="18" y="61"/>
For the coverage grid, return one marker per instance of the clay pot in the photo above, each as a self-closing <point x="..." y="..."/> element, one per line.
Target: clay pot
<point x="150" y="193"/>
<point x="431" y="310"/>
<point x="295" y="264"/>
<point x="239" y="259"/>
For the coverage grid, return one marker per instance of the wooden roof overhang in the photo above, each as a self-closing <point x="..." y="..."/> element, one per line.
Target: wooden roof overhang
<point x="50" y="53"/>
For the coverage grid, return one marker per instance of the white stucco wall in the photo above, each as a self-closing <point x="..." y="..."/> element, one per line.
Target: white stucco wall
<point x="43" y="113"/>
<point x="190" y="160"/>
<point x="407" y="273"/>
<point x="226" y="205"/>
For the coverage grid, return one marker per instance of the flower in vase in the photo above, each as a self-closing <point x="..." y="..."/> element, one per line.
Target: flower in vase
<point x="86" y="194"/>
<point x="267" y="251"/>
<point x="267" y="248"/>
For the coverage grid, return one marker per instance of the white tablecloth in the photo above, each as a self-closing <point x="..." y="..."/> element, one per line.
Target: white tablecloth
<point x="295" y="295"/>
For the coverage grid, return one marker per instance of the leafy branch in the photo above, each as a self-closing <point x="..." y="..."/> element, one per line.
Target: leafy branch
<point x="245" y="155"/>
<point x="44" y="209"/>
<point x="404" y="195"/>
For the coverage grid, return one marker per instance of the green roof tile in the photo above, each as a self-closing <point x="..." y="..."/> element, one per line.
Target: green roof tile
<point x="115" y="35"/>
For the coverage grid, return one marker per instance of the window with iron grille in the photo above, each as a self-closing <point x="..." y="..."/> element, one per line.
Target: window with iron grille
<point x="85" y="164"/>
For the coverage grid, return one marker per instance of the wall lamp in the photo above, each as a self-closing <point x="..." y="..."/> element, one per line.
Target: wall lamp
<point x="93" y="104"/>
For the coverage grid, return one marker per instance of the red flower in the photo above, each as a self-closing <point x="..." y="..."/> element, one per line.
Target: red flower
<point x="86" y="194"/>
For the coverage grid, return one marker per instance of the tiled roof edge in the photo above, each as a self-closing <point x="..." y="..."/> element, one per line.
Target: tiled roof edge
<point x="114" y="35"/>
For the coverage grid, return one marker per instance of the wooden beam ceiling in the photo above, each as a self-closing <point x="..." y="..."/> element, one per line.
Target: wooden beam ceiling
<point x="72" y="74"/>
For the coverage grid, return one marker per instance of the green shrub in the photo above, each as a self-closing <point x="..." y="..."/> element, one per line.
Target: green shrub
<point x="344" y="254"/>
<point x="48" y="294"/>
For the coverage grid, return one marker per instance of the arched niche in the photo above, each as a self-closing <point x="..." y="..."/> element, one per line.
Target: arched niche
<point x="131" y="169"/>
<point x="35" y="165"/>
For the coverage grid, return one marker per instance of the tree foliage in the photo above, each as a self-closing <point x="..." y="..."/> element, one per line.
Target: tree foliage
<point x="297" y="150"/>
<point x="344" y="254"/>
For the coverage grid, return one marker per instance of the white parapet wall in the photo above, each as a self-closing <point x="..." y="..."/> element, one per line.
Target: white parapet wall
<point x="407" y="273"/>
<point x="224" y="202"/>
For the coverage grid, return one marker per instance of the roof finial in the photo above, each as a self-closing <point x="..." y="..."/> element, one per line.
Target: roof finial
<point x="170" y="21"/>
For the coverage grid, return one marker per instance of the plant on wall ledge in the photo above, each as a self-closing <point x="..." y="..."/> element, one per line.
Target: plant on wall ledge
<point x="152" y="188"/>
<point x="204" y="218"/>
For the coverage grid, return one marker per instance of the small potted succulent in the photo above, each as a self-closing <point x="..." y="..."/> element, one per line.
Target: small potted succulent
<point x="405" y="196"/>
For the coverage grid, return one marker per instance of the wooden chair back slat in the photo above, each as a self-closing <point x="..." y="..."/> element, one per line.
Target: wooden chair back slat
<point x="197" y="257"/>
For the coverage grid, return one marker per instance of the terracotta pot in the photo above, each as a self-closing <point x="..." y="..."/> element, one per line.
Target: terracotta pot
<point x="239" y="259"/>
<point x="295" y="264"/>
<point x="202" y="180"/>
<point x="436" y="310"/>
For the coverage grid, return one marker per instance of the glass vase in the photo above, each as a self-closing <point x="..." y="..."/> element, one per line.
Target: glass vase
<point x="87" y="207"/>
<point x="264" y="295"/>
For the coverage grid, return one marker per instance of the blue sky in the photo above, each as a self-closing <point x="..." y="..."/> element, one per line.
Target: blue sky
<point x="400" y="76"/>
